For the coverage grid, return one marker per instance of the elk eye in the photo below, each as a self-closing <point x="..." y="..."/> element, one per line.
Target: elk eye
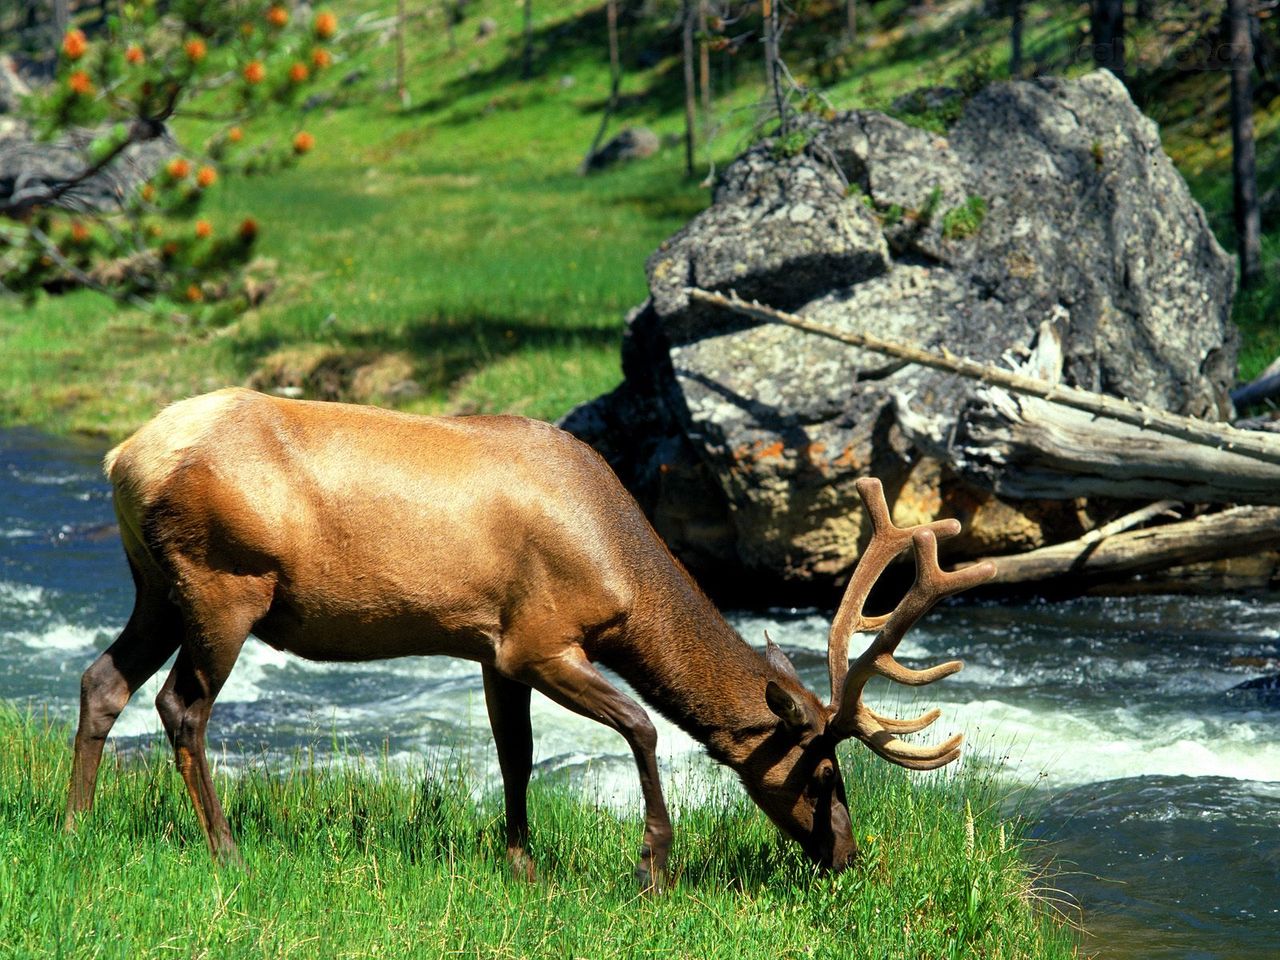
<point x="825" y="773"/>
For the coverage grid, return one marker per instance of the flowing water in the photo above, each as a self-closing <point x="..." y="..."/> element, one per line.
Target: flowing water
<point x="1154" y="785"/>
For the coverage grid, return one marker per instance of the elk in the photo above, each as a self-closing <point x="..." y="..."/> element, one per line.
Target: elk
<point x="343" y="532"/>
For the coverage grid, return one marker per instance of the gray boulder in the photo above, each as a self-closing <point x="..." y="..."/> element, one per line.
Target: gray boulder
<point x="631" y="143"/>
<point x="1049" y="199"/>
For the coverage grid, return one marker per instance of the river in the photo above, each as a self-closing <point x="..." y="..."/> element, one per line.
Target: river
<point x="1154" y="785"/>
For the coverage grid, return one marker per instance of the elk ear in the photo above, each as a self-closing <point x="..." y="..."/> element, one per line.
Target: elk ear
<point x="786" y="706"/>
<point x="779" y="660"/>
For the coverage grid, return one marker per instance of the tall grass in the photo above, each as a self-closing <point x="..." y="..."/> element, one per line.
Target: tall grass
<point x="363" y="860"/>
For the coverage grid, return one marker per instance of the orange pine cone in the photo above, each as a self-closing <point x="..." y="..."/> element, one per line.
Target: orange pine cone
<point x="321" y="58"/>
<point x="326" y="25"/>
<point x="195" y="49"/>
<point x="194" y="293"/>
<point x="254" y="71"/>
<point x="298" y="73"/>
<point x="235" y="134"/>
<point x="74" y="44"/>
<point x="277" y="16"/>
<point x="134" y="55"/>
<point x="204" y="229"/>
<point x="178" y="168"/>
<point x="206" y="177"/>
<point x="303" y="142"/>
<point x="248" y="228"/>
<point x="80" y="83"/>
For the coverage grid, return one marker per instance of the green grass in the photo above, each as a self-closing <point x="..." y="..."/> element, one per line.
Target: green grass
<point x="364" y="861"/>
<point x="456" y="234"/>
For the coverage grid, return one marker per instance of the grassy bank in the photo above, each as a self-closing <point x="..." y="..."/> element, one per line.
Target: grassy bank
<point x="456" y="238"/>
<point x="363" y="862"/>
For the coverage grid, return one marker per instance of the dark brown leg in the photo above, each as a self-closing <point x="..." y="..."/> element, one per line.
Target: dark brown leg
<point x="152" y="634"/>
<point x="508" y="703"/>
<point x="573" y="682"/>
<point x="216" y="630"/>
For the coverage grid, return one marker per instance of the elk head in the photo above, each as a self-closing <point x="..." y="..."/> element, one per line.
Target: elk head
<point x="792" y="771"/>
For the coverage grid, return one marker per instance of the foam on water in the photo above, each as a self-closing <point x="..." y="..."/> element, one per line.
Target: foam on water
<point x="21" y="595"/>
<point x="1044" y="746"/>
<point x="61" y="636"/>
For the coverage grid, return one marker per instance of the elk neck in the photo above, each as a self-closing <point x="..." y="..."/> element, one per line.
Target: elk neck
<point x="685" y="660"/>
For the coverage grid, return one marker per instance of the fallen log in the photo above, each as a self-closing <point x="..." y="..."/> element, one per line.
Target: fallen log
<point x="1027" y="448"/>
<point x="1259" y="446"/>
<point x="1234" y="532"/>
<point x="1031" y="437"/>
<point x="1265" y="386"/>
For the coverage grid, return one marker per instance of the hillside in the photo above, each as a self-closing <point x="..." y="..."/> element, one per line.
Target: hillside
<point x="452" y="244"/>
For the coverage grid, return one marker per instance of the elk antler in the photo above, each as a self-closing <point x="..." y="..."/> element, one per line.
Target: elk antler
<point x="851" y="717"/>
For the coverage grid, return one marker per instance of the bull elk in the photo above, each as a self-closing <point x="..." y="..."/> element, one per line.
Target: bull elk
<point x="351" y="533"/>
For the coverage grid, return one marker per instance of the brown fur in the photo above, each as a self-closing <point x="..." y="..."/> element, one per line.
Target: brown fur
<point x="351" y="533"/>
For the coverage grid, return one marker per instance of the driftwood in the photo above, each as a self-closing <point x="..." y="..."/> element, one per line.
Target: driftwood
<point x="1234" y="532"/>
<point x="1026" y="436"/>
<point x="1028" y="448"/>
<point x="1258" y="446"/>
<point x="1265" y="386"/>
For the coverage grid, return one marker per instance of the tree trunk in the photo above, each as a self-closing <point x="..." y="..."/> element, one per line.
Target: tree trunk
<point x="1243" y="159"/>
<point x="1107" y="30"/>
<point x="526" y="61"/>
<point x="772" y="70"/>
<point x="704" y="70"/>
<point x="1015" y="37"/>
<point x="615" y="83"/>
<point x="61" y="22"/>
<point x="851" y="20"/>
<point x="402" y="91"/>
<point x="690" y="91"/>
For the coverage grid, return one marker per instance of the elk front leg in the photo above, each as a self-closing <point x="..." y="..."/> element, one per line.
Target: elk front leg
<point x="508" y="703"/>
<point x="572" y="681"/>
<point x="151" y="635"/>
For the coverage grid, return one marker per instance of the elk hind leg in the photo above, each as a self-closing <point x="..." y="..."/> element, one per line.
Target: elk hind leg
<point x="185" y="701"/>
<point x="508" y="703"/>
<point x="149" y="638"/>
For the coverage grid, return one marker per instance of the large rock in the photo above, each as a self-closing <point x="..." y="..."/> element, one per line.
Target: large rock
<point x="1049" y="200"/>
<point x="30" y="167"/>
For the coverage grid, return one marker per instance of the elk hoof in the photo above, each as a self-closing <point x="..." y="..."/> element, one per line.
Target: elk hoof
<point x="521" y="866"/>
<point x="229" y="858"/>
<point x="652" y="879"/>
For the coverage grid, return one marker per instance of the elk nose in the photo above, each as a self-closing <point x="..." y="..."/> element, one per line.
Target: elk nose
<point x="843" y="847"/>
